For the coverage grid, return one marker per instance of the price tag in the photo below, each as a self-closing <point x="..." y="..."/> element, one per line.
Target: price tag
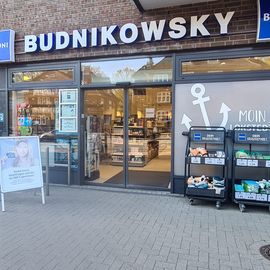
<point x="220" y="161"/>
<point x="239" y="195"/>
<point x="261" y="197"/>
<point x="196" y="160"/>
<point x="241" y="162"/>
<point x="252" y="163"/>
<point x="267" y="163"/>
<point x="209" y="161"/>
<point x="250" y="196"/>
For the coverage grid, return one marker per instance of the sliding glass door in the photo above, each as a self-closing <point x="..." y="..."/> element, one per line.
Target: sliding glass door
<point x="104" y="136"/>
<point x="132" y="150"/>
<point x="149" y="137"/>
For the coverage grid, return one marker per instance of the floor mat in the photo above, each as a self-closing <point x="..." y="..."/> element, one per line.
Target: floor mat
<point x="142" y="178"/>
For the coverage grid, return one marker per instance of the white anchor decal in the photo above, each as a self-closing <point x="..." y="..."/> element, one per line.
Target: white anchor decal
<point x="201" y="100"/>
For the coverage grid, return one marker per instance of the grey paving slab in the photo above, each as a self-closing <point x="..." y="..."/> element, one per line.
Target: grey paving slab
<point x="94" y="228"/>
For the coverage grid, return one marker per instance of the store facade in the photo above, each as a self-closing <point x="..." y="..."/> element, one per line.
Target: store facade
<point x="121" y="85"/>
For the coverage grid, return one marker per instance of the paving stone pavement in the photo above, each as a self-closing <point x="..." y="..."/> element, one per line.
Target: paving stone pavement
<point x="93" y="228"/>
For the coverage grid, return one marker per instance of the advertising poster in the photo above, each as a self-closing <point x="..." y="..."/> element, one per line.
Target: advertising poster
<point x="68" y="110"/>
<point x="20" y="165"/>
<point x="68" y="125"/>
<point x="68" y="96"/>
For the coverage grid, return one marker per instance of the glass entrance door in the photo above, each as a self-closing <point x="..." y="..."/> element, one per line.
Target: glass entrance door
<point x="149" y="137"/>
<point x="104" y="136"/>
<point x="131" y="150"/>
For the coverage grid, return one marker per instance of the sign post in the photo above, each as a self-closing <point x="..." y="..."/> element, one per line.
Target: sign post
<point x="20" y="165"/>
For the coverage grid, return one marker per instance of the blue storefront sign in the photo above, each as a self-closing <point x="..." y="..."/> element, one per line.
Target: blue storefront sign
<point x="263" y="33"/>
<point x="7" y="39"/>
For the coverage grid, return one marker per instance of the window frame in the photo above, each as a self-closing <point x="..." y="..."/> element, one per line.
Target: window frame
<point x="217" y="77"/>
<point x="43" y="67"/>
<point x="103" y="85"/>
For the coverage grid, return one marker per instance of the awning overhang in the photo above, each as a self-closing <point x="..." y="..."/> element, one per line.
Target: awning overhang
<point x="144" y="5"/>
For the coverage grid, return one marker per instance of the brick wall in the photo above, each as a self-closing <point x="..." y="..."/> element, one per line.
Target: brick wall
<point x="38" y="16"/>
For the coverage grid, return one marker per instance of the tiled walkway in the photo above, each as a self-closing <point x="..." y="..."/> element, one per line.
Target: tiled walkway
<point x="86" y="228"/>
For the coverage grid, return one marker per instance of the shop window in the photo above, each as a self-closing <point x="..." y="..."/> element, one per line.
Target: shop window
<point x="40" y="76"/>
<point x="45" y="113"/>
<point x="142" y="70"/>
<point x="232" y="65"/>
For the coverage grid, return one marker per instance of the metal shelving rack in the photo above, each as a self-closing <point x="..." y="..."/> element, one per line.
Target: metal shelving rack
<point x="256" y="142"/>
<point x="213" y="139"/>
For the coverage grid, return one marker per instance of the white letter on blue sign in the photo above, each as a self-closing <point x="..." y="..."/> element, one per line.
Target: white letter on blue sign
<point x="61" y="40"/>
<point x="153" y="30"/>
<point x="106" y="35"/>
<point x="178" y="30"/>
<point x="30" y="43"/>
<point x="46" y="42"/>
<point x="94" y="37"/>
<point x="80" y="39"/>
<point x="266" y="17"/>
<point x="134" y="33"/>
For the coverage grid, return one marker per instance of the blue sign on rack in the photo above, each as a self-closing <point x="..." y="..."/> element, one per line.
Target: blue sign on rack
<point x="7" y="40"/>
<point x="242" y="137"/>
<point x="197" y="137"/>
<point x="263" y="32"/>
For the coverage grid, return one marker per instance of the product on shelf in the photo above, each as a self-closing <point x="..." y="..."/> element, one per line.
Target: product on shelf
<point x="202" y="152"/>
<point x="252" y="186"/>
<point x="250" y="155"/>
<point x="204" y="182"/>
<point x="196" y="152"/>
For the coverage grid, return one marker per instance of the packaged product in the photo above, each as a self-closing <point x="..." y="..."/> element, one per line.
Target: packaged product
<point x="250" y="186"/>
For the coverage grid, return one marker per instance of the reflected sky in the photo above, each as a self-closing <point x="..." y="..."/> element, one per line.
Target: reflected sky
<point x="110" y="67"/>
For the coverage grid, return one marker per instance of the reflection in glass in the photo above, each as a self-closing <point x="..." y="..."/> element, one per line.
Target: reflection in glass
<point x="43" y="76"/>
<point x="152" y="69"/>
<point x="226" y="65"/>
<point x="150" y="117"/>
<point x="35" y="112"/>
<point x="104" y="151"/>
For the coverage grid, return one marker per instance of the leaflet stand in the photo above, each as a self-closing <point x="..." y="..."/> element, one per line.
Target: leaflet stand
<point x="251" y="152"/>
<point x="206" y="147"/>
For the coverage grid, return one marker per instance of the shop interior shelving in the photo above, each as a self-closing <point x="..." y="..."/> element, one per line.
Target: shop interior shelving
<point x="206" y="153"/>
<point x="251" y="163"/>
<point x="141" y="149"/>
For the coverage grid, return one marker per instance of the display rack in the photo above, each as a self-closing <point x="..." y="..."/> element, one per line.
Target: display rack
<point x="141" y="149"/>
<point x="251" y="156"/>
<point x="206" y="147"/>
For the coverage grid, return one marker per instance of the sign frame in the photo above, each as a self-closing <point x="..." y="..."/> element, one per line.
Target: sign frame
<point x="11" y="44"/>
<point x="11" y="170"/>
<point x="259" y="19"/>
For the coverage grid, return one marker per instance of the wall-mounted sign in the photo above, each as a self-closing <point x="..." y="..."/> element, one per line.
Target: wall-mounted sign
<point x="263" y="32"/>
<point x="7" y="40"/>
<point x="174" y="29"/>
<point x="68" y="107"/>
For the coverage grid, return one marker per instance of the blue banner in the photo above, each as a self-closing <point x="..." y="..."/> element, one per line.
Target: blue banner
<point x="7" y="46"/>
<point x="263" y="33"/>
